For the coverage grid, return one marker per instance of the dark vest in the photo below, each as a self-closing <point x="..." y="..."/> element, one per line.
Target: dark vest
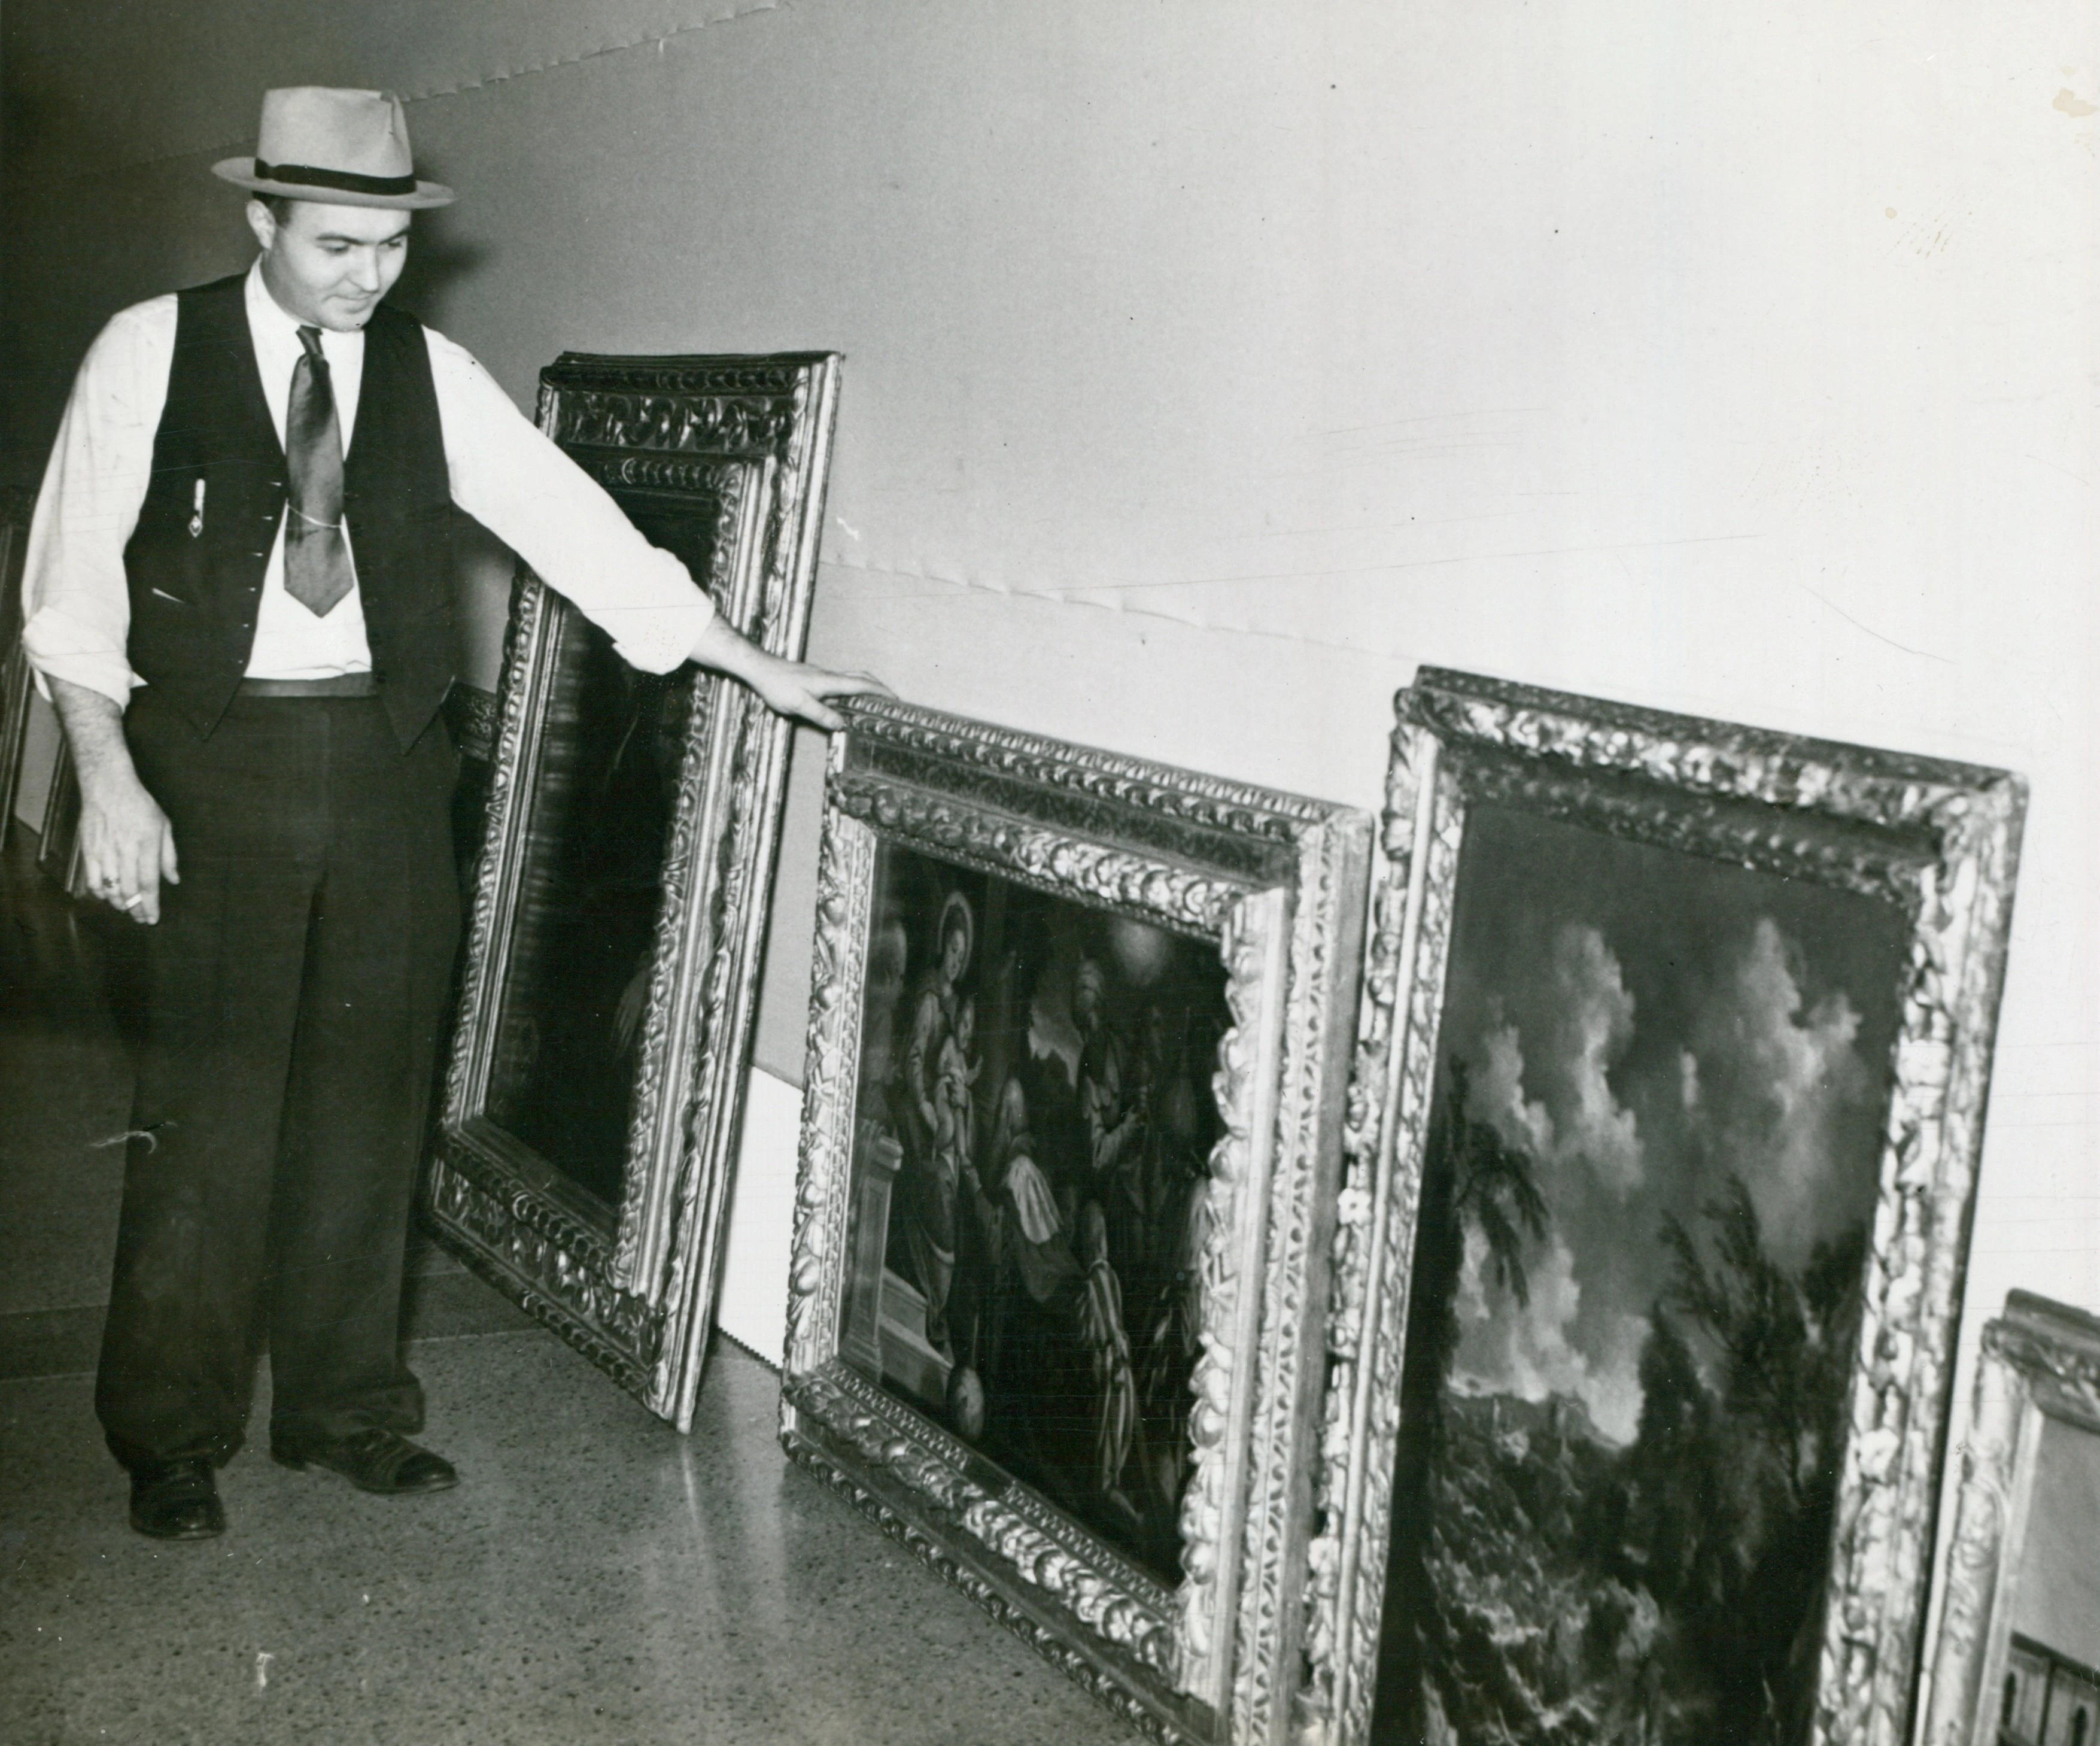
<point x="195" y="585"/>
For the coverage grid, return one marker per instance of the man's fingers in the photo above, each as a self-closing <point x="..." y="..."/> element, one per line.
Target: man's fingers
<point x="168" y="868"/>
<point x="137" y="878"/>
<point x="849" y="685"/>
<point x="830" y="720"/>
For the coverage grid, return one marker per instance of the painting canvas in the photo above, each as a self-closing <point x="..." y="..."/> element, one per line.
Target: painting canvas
<point x="1079" y="1037"/>
<point x="1667" y="1107"/>
<point x="604" y="789"/>
<point x="1652" y="1156"/>
<point x="1029" y="1177"/>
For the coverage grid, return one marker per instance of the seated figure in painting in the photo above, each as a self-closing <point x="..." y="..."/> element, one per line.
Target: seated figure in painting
<point x="1056" y="1354"/>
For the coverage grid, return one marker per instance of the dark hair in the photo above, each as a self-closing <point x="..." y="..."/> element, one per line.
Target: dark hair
<point x="279" y="206"/>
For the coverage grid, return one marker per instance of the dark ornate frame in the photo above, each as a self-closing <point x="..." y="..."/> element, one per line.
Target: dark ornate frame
<point x="633" y="1288"/>
<point x="2039" y="1360"/>
<point x="1941" y="841"/>
<point x="15" y="681"/>
<point x="1279" y="883"/>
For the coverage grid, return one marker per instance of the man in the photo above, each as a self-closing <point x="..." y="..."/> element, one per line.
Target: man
<point x="238" y="597"/>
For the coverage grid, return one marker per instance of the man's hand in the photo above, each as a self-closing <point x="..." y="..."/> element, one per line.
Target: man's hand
<point x="792" y="688"/>
<point x="126" y="846"/>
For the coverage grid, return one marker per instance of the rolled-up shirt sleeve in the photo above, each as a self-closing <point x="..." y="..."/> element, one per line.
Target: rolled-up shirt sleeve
<point x="76" y="607"/>
<point x="545" y="508"/>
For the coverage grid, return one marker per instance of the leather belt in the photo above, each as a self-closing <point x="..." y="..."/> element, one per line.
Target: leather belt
<point x="341" y="685"/>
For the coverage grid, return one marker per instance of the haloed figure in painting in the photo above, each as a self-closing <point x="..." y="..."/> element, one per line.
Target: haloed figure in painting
<point x="1652" y="1159"/>
<point x="1050" y="1102"/>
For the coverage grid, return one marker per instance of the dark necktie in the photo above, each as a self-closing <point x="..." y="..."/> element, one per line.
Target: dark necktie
<point x="317" y="572"/>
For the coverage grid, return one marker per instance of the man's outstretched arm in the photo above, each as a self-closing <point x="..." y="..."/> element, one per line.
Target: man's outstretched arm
<point x="126" y="846"/>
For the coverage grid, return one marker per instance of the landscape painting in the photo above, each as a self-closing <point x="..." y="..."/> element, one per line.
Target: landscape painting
<point x="1650" y="1171"/>
<point x="1036" y="1116"/>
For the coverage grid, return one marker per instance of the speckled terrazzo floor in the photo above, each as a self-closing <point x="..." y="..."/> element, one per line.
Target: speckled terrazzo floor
<point x="595" y="1577"/>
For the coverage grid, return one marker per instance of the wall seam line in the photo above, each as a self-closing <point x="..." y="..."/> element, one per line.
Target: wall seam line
<point x="1057" y="599"/>
<point x="502" y="75"/>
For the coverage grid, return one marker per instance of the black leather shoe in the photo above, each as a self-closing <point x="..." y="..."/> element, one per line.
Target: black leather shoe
<point x="372" y="1460"/>
<point x="176" y="1501"/>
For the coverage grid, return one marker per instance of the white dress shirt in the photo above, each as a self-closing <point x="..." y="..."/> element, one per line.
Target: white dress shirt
<point x="504" y="473"/>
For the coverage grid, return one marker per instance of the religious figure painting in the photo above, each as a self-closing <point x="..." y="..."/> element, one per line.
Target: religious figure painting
<point x="1079" y="1030"/>
<point x="1667" y="1109"/>
<point x="1029" y="1184"/>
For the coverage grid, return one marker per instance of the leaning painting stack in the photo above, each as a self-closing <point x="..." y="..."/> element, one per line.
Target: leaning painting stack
<point x="1583" y="1376"/>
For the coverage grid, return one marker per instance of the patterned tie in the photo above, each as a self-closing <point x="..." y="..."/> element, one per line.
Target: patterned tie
<point x="317" y="572"/>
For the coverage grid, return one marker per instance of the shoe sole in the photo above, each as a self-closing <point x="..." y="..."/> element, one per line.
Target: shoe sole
<point x="209" y="1531"/>
<point x="300" y="1464"/>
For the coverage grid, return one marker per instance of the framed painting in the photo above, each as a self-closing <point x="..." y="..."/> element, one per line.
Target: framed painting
<point x="16" y="685"/>
<point x="597" y="1067"/>
<point x="1663" y="1141"/>
<point x="1079" y="1036"/>
<point x="2017" y="1662"/>
<point x="58" y="840"/>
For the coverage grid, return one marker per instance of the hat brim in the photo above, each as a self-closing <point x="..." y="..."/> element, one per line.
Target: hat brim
<point x="241" y="172"/>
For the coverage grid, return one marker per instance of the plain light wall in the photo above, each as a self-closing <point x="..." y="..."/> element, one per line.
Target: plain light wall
<point x="1210" y="365"/>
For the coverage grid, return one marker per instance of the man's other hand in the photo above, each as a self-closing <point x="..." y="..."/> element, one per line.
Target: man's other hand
<point x="126" y="846"/>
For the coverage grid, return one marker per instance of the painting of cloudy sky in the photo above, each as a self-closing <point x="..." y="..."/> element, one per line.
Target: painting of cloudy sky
<point x="1651" y="1168"/>
<point x="1642" y="1022"/>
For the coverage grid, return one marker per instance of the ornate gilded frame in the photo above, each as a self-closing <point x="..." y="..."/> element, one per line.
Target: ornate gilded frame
<point x="1941" y="841"/>
<point x="747" y="440"/>
<point x="1278" y="884"/>
<point x="2040" y="1360"/>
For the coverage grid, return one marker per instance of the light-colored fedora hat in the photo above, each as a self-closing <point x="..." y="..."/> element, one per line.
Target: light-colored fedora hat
<point x="346" y="149"/>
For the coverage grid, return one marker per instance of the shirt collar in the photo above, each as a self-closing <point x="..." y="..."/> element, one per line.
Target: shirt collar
<point x="278" y="333"/>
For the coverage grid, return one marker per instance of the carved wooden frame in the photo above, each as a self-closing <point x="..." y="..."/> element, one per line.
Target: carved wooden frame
<point x="1279" y="883"/>
<point x="2039" y="1360"/>
<point x="752" y="435"/>
<point x="1939" y="840"/>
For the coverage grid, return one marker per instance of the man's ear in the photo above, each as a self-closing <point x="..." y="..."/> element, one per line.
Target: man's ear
<point x="263" y="223"/>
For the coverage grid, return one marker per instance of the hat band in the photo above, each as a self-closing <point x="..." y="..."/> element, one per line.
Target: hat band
<point x="348" y="181"/>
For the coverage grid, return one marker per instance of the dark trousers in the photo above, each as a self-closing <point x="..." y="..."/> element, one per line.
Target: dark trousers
<point x="297" y="981"/>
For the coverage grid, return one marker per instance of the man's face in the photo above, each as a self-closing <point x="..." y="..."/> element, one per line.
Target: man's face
<point x="329" y="266"/>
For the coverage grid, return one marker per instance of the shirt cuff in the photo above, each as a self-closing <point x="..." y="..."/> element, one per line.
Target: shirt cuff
<point x="54" y="646"/>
